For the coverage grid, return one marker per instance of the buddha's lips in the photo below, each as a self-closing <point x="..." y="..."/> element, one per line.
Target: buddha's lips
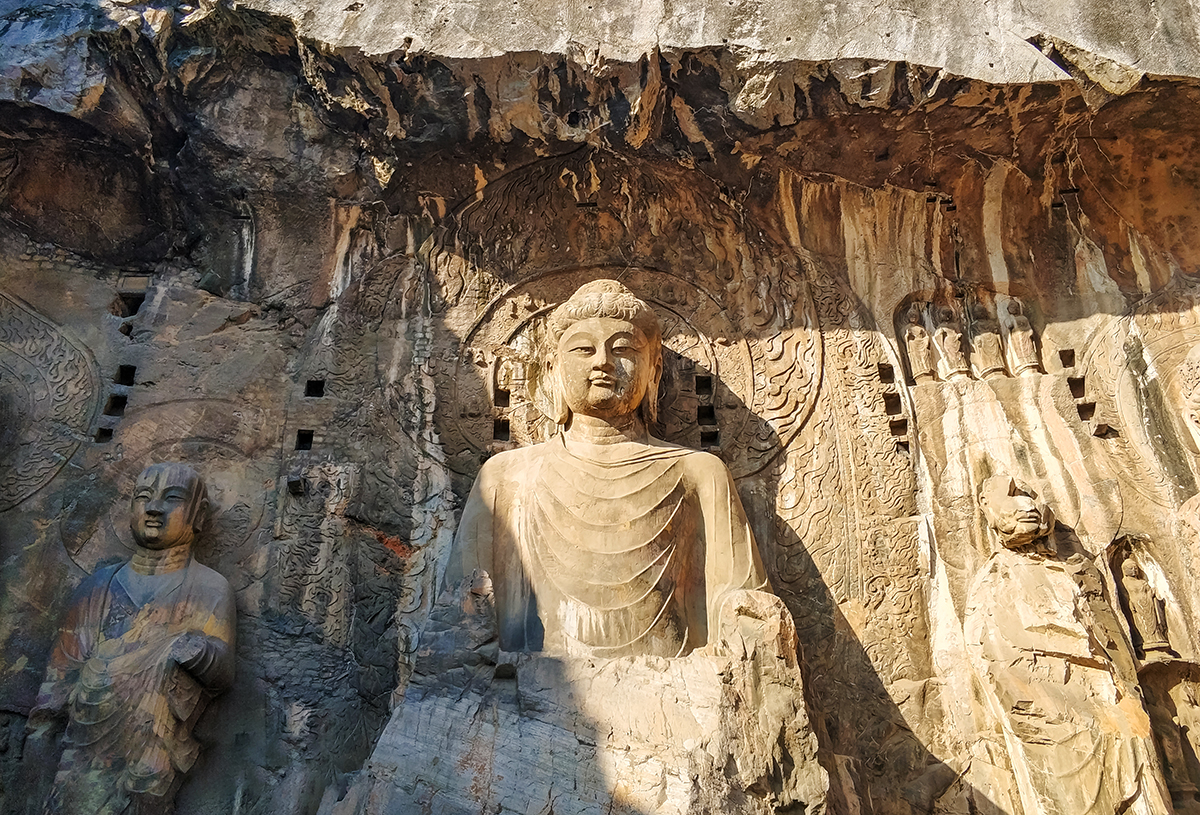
<point x="603" y="381"/>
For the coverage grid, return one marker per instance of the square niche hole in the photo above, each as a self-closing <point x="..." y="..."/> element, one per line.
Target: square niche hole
<point x="706" y="414"/>
<point x="304" y="439"/>
<point x="887" y="374"/>
<point x="103" y="435"/>
<point x="1077" y="386"/>
<point x="116" y="405"/>
<point x="314" y="388"/>
<point x="891" y="404"/>
<point x="710" y="438"/>
<point x="127" y="304"/>
<point x="1067" y="357"/>
<point x="503" y="398"/>
<point x="704" y="385"/>
<point x="125" y="374"/>
<point x="501" y="430"/>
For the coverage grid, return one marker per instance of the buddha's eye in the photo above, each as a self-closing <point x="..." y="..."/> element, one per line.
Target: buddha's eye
<point x="583" y="350"/>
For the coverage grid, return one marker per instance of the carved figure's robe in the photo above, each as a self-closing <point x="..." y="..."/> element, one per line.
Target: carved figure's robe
<point x="626" y="551"/>
<point x="1050" y="671"/>
<point x="130" y="709"/>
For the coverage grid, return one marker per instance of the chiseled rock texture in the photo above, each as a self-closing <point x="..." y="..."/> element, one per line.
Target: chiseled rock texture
<point x="301" y="247"/>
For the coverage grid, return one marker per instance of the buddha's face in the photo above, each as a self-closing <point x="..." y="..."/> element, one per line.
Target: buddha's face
<point x="1013" y="512"/>
<point x="605" y="367"/>
<point x="162" y="509"/>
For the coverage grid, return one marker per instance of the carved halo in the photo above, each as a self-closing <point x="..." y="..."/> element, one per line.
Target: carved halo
<point x="712" y="387"/>
<point x="48" y="394"/>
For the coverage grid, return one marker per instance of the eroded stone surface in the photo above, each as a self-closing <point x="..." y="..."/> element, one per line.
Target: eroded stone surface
<point x="235" y="209"/>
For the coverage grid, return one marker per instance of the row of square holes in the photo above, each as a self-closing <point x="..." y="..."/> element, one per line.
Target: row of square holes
<point x="706" y="415"/>
<point x="313" y="389"/>
<point x="115" y="406"/>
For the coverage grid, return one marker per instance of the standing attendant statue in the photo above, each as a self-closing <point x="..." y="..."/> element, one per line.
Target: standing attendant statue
<point x="948" y="337"/>
<point x="1148" y="616"/>
<point x="1056" y="673"/>
<point x="144" y="646"/>
<point x="1022" y="350"/>
<point x="987" y="355"/>
<point x="919" y="346"/>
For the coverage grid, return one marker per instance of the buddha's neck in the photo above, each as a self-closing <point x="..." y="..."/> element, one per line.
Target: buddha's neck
<point x="160" y="561"/>
<point x="594" y="430"/>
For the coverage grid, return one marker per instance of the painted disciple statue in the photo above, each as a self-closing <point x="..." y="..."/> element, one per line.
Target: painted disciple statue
<point x="1056" y="670"/>
<point x="605" y="541"/>
<point x="144" y="645"/>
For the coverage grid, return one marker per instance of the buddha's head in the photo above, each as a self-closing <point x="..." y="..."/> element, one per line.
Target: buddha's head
<point x="1013" y="511"/>
<point x="604" y="355"/>
<point x="169" y="506"/>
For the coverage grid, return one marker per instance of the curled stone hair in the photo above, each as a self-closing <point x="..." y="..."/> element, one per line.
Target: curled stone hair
<point x="605" y="298"/>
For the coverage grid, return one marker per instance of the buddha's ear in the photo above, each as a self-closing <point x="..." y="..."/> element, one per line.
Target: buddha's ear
<point x="650" y="402"/>
<point x="200" y="516"/>
<point x="560" y="414"/>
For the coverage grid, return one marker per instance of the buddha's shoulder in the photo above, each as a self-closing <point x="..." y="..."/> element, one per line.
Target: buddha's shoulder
<point x="209" y="579"/>
<point x="508" y="462"/>
<point x="695" y="461"/>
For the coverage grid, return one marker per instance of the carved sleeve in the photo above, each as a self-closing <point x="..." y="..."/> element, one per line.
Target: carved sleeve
<point x="76" y="638"/>
<point x="213" y="664"/>
<point x="731" y="558"/>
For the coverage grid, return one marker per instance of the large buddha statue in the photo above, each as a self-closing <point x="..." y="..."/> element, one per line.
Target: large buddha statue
<point x="605" y="541"/>
<point x="143" y="646"/>
<point x="601" y="642"/>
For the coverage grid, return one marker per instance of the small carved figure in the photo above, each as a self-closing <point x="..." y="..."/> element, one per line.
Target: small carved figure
<point x="1022" y="350"/>
<point x="605" y="541"/>
<point x="144" y="645"/>
<point x="952" y="363"/>
<point x="1147" y="613"/>
<point x="919" y="347"/>
<point x="1056" y="672"/>
<point x="987" y="355"/>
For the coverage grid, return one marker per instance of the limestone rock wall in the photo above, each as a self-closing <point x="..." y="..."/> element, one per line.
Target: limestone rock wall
<point x="304" y="249"/>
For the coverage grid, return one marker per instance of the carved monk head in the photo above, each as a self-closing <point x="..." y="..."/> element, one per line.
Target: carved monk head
<point x="604" y="355"/>
<point x="1013" y="511"/>
<point x="169" y="505"/>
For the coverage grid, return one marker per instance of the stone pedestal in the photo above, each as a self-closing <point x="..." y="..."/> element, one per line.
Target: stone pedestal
<point x="721" y="730"/>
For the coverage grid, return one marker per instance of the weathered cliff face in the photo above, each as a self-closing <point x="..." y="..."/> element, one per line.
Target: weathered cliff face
<point x="304" y="248"/>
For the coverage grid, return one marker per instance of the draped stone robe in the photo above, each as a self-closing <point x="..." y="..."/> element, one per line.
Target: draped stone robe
<point x="624" y="549"/>
<point x="1054" y="673"/>
<point x="130" y="708"/>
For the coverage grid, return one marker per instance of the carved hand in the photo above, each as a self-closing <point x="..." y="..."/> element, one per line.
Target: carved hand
<point x="188" y="650"/>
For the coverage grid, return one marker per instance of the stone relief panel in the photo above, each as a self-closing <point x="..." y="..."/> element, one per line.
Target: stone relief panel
<point x="48" y="398"/>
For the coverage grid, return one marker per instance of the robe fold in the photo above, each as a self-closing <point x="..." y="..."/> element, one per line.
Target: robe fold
<point x="629" y="551"/>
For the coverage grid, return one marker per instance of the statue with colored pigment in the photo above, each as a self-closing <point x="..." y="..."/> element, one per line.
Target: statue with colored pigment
<point x="144" y="646"/>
